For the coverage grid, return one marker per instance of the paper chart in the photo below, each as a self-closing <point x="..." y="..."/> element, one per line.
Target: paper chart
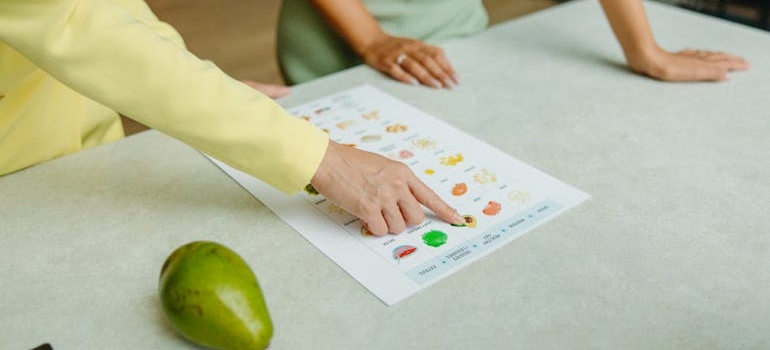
<point x="500" y="196"/>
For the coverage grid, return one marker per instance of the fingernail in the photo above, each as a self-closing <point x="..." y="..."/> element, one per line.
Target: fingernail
<point x="435" y="84"/>
<point x="414" y="82"/>
<point x="458" y="219"/>
<point x="448" y="84"/>
<point x="456" y="78"/>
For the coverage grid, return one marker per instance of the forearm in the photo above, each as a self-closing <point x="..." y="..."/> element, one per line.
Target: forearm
<point x="629" y="23"/>
<point x="643" y="55"/>
<point x="100" y="50"/>
<point x="352" y="21"/>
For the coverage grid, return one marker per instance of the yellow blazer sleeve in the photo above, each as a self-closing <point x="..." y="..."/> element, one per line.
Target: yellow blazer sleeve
<point x="142" y="12"/>
<point x="101" y="50"/>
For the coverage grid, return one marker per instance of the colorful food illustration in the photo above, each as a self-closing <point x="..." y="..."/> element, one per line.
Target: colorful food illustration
<point x="345" y="124"/>
<point x="459" y="189"/>
<point x="424" y="144"/>
<point x="365" y="232"/>
<point x="434" y="238"/>
<point x="470" y="221"/>
<point x="306" y="117"/>
<point x="311" y="190"/>
<point x="519" y="196"/>
<point x="452" y="160"/>
<point x="396" y="128"/>
<point x="405" y="154"/>
<point x="484" y="177"/>
<point x="335" y="209"/>
<point x="371" y="138"/>
<point x="403" y="251"/>
<point x="372" y="115"/>
<point x="429" y="171"/>
<point x="492" y="208"/>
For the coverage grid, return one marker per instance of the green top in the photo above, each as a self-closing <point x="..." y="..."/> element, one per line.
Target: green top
<point x="309" y="48"/>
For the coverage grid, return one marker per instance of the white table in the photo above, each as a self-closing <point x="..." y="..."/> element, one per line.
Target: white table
<point x="672" y="251"/>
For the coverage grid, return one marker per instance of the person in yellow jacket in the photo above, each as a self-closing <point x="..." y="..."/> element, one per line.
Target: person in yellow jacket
<point x="67" y="67"/>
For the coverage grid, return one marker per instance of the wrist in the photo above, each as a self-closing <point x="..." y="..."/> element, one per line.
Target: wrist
<point x="365" y="43"/>
<point x="645" y="59"/>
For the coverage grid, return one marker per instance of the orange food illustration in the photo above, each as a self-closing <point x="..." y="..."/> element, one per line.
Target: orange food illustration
<point x="459" y="189"/>
<point x="365" y="232"/>
<point x="492" y="208"/>
<point x="396" y="128"/>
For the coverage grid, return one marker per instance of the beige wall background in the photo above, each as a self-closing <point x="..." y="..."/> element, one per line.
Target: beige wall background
<point x="239" y="35"/>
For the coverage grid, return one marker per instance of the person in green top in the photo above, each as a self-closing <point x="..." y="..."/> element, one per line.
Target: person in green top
<point x="320" y="37"/>
<point x="398" y="38"/>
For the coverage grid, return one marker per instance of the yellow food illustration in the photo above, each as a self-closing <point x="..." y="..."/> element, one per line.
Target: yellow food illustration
<point x="372" y="115"/>
<point x="452" y="160"/>
<point x="424" y="144"/>
<point x="519" y="196"/>
<point x="484" y="177"/>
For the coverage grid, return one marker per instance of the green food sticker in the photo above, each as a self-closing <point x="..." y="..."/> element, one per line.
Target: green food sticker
<point x="434" y="238"/>
<point x="311" y="190"/>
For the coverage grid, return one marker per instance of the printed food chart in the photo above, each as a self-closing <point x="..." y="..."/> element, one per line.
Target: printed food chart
<point x="500" y="197"/>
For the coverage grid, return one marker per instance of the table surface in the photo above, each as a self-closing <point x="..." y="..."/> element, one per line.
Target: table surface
<point x="671" y="252"/>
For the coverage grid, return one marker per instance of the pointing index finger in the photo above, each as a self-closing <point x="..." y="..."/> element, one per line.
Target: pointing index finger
<point x="432" y="201"/>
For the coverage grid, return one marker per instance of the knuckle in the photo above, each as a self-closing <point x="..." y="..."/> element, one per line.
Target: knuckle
<point x="416" y="218"/>
<point x="368" y="210"/>
<point x="386" y="195"/>
<point x="402" y="172"/>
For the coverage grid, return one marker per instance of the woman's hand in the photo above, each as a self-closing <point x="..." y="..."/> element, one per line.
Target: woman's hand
<point x="687" y="65"/>
<point x="629" y="23"/>
<point x="383" y="193"/>
<point x="410" y="61"/>
<point x="407" y="60"/>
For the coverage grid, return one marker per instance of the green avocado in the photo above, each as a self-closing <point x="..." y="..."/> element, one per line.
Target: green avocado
<point x="211" y="296"/>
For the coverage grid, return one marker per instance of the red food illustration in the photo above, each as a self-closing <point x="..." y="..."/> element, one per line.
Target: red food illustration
<point x="403" y="251"/>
